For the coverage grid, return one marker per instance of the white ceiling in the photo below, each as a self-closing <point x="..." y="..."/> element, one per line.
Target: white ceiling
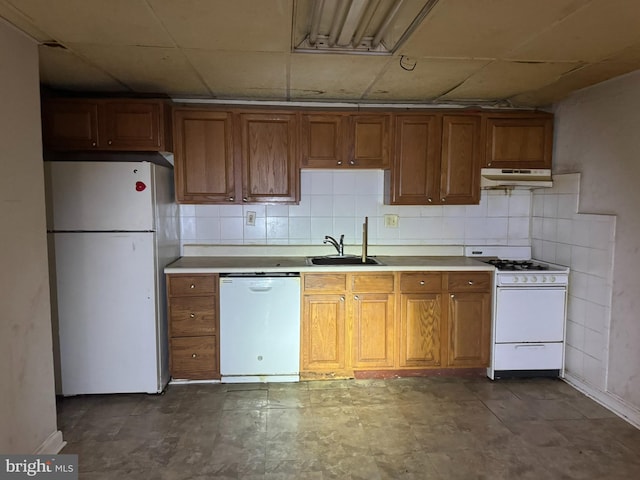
<point x="497" y="52"/>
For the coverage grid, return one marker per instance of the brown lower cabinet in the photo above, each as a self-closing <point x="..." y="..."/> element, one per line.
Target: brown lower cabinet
<point x="394" y="321"/>
<point x="193" y="326"/>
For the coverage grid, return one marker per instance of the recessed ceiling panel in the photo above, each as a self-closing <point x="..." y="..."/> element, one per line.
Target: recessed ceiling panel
<point x="242" y="75"/>
<point x="104" y="22"/>
<point x="485" y="29"/>
<point x="61" y="69"/>
<point x="591" y="34"/>
<point x="500" y="79"/>
<point x="421" y="79"/>
<point x="317" y="76"/>
<point x="146" y="69"/>
<point x="239" y="25"/>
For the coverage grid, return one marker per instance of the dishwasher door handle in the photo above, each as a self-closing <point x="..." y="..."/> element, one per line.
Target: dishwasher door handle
<point x="266" y="288"/>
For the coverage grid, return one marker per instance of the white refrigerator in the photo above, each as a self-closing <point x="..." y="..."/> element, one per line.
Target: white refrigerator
<point x="113" y="226"/>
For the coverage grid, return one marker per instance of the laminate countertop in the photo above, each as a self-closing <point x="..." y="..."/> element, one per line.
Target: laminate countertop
<point x="282" y="264"/>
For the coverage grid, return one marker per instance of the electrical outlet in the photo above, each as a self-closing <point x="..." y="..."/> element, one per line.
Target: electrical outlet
<point x="251" y="218"/>
<point x="391" y="221"/>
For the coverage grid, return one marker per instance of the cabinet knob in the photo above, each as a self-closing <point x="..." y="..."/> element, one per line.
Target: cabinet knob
<point x="110" y="142"/>
<point x="93" y="144"/>
<point x="230" y="199"/>
<point x="193" y="285"/>
<point x="352" y="162"/>
<point x="342" y="299"/>
<point x="430" y="200"/>
<point x="356" y="297"/>
<point x="443" y="200"/>
<point x="339" y="162"/>
<point x="245" y="199"/>
<point x="193" y="355"/>
<point x="489" y="164"/>
<point x="192" y="315"/>
<point x="470" y="282"/>
<point x="421" y="282"/>
<point x="453" y="296"/>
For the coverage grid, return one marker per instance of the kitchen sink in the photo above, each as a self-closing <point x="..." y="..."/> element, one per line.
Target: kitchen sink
<point x="337" y="260"/>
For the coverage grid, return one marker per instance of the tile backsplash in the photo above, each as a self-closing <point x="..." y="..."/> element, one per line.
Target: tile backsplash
<point x="585" y="243"/>
<point x="335" y="202"/>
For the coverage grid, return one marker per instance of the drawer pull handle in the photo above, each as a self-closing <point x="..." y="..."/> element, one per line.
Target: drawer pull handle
<point x="192" y="315"/>
<point x="470" y="282"/>
<point x="193" y="355"/>
<point x="453" y="296"/>
<point x="192" y="286"/>
<point x="339" y="162"/>
<point x="421" y="282"/>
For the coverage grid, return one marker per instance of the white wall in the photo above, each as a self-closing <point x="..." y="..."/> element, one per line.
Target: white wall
<point x="597" y="135"/>
<point x="27" y="399"/>
<point x="335" y="202"/>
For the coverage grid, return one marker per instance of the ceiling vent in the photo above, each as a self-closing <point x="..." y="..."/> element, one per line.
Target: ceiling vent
<point x="376" y="27"/>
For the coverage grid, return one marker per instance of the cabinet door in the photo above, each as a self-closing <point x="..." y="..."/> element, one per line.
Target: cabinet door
<point x="460" y="160"/>
<point x="323" y="140"/>
<point x="373" y="330"/>
<point x="518" y="142"/>
<point x="131" y="125"/>
<point x="420" y="329"/>
<point x="70" y="124"/>
<point x="469" y="329"/>
<point x="204" y="168"/>
<point x="323" y="333"/>
<point x="270" y="169"/>
<point x="415" y="171"/>
<point x="369" y="141"/>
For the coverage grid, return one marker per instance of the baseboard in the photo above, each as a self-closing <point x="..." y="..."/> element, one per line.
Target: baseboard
<point x="52" y="445"/>
<point x="607" y="399"/>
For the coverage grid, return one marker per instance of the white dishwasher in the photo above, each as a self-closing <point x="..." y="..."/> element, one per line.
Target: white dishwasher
<point x="260" y="327"/>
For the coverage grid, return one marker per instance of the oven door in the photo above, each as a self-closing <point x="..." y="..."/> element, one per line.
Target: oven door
<point x="529" y="314"/>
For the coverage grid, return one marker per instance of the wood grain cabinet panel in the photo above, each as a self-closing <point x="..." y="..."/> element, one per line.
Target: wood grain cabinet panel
<point x="194" y="341"/>
<point x="323" y="140"/>
<point x="323" y="333"/>
<point x="269" y="153"/>
<point x="436" y="160"/>
<point x="373" y="330"/>
<point x="84" y="124"/>
<point x="519" y="140"/>
<point x="420" y="329"/>
<point x="204" y="156"/>
<point x="369" y="136"/>
<point x="469" y="318"/>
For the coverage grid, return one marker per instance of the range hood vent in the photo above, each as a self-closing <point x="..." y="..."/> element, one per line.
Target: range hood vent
<point x="510" y="178"/>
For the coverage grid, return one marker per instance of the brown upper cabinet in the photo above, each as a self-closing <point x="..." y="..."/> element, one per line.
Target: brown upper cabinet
<point x="106" y="125"/>
<point x="345" y="140"/>
<point x="436" y="160"/>
<point x="518" y="140"/>
<point x="236" y="157"/>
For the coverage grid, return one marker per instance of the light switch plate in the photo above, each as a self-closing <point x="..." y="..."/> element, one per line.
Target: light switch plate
<point x="251" y="218"/>
<point x="391" y="221"/>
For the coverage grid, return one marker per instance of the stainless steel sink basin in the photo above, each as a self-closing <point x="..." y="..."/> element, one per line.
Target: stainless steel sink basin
<point x="345" y="260"/>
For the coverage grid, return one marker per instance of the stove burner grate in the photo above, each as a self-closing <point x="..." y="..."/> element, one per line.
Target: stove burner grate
<point x="516" y="265"/>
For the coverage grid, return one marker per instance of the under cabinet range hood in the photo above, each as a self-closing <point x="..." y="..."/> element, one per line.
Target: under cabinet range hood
<point x="510" y="178"/>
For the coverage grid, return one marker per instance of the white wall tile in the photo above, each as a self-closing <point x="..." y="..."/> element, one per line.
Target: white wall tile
<point x="580" y="259"/>
<point x="303" y="209"/>
<point x="597" y="317"/>
<point x="344" y="182"/>
<point x="227" y="210"/>
<point x="187" y="210"/>
<point x="567" y="205"/>
<point x="563" y="254"/>
<point x="207" y="210"/>
<point x="231" y="228"/>
<point x="343" y="206"/>
<point x="598" y="290"/>
<point x="575" y="335"/>
<point x="549" y="229"/>
<point x="574" y="361"/>
<point x="321" y="206"/>
<point x="277" y="228"/>
<point x="550" y="206"/>
<point x="576" y="308"/>
<point x="321" y="226"/>
<point x="594" y="372"/>
<point x="520" y="205"/>
<point x="498" y="205"/>
<point x="300" y="228"/>
<point x="578" y="283"/>
<point x="563" y="230"/>
<point x="277" y="210"/>
<point x="321" y="182"/>
<point x="537" y="204"/>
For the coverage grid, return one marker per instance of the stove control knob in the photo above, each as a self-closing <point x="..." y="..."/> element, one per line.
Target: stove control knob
<point x="524" y="279"/>
<point x="515" y="279"/>
<point x="544" y="279"/>
<point x="552" y="279"/>
<point x="534" y="279"/>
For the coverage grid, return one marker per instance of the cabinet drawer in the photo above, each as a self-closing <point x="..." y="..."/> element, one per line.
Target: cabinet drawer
<point x="194" y="358"/>
<point x="373" y="283"/>
<point x="469" y="282"/>
<point x="205" y="284"/>
<point x="420" y="282"/>
<point x="325" y="282"/>
<point x="191" y="316"/>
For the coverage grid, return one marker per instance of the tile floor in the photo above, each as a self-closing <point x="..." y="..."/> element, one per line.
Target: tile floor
<point x="409" y="428"/>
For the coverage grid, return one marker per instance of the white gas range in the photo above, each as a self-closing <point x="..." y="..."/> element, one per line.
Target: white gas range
<point x="529" y="312"/>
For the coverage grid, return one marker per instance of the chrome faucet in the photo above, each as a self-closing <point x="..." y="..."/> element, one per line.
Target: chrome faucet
<point x="339" y="245"/>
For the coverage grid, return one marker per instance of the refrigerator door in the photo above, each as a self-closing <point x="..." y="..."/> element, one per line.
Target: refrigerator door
<point x="107" y="311"/>
<point x="100" y="196"/>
